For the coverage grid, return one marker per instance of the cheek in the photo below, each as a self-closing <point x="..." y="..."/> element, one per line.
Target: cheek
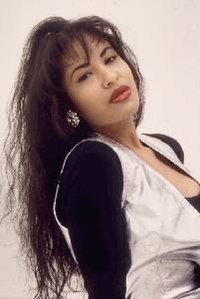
<point x="87" y="103"/>
<point x="80" y="101"/>
<point x="74" y="96"/>
<point x="126" y="70"/>
<point x="86" y="94"/>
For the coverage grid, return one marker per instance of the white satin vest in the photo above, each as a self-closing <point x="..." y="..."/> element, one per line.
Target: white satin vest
<point x="163" y="227"/>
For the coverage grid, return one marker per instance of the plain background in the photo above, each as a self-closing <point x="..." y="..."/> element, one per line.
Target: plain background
<point x="164" y="35"/>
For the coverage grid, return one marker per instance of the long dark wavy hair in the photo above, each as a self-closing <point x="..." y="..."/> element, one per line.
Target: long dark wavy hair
<point x="39" y="138"/>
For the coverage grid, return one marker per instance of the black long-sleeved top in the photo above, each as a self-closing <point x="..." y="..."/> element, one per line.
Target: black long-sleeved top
<point x="89" y="205"/>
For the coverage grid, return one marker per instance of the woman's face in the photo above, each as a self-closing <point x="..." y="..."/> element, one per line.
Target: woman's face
<point x="90" y="84"/>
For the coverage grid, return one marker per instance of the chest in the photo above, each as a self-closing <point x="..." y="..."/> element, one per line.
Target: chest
<point x="185" y="184"/>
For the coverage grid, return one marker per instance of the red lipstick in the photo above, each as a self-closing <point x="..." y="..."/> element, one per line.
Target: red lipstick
<point x="120" y="94"/>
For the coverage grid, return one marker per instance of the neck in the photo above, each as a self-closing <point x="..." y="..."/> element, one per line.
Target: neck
<point x="124" y="133"/>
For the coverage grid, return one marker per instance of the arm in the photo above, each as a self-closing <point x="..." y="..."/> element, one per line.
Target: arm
<point x="91" y="209"/>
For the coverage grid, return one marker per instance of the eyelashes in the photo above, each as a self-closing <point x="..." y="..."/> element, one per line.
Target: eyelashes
<point x="109" y="60"/>
<point x="84" y="77"/>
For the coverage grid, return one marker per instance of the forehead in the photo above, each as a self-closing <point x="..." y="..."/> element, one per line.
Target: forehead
<point x="84" y="49"/>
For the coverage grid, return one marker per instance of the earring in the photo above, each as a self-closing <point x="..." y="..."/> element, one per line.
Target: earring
<point x="72" y="118"/>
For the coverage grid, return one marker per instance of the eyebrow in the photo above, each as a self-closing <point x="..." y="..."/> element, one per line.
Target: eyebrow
<point x="87" y="63"/>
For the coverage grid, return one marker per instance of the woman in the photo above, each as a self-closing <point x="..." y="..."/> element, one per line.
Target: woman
<point x="97" y="198"/>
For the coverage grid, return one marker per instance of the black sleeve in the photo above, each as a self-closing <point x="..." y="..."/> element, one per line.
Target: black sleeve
<point x="172" y="142"/>
<point x="90" y="206"/>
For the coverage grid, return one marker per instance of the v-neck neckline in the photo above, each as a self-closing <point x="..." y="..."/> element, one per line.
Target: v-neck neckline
<point x="144" y="140"/>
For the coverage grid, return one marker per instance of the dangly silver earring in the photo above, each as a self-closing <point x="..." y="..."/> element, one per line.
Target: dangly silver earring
<point x="72" y="118"/>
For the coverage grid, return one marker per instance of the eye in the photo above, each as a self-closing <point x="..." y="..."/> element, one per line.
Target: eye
<point x="111" y="59"/>
<point x="84" y="77"/>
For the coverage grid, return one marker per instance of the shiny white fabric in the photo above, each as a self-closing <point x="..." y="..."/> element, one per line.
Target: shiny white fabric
<point x="163" y="228"/>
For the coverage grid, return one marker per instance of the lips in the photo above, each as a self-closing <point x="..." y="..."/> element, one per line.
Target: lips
<point x="117" y="92"/>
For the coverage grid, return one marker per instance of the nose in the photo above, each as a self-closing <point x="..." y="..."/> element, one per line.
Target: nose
<point x="110" y="77"/>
